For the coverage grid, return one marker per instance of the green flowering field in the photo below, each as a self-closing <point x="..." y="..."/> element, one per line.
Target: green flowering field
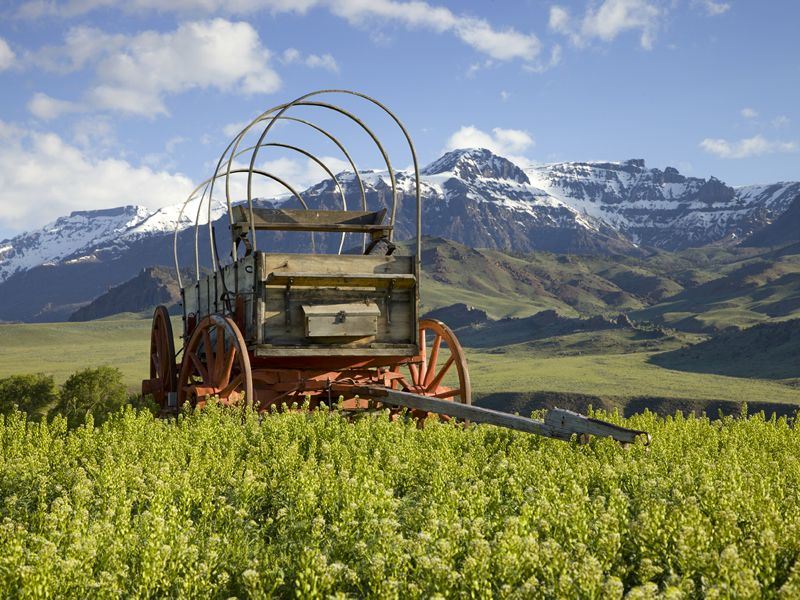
<point x="312" y="505"/>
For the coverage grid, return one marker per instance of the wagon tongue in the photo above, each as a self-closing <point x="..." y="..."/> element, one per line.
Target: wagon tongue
<point x="558" y="423"/>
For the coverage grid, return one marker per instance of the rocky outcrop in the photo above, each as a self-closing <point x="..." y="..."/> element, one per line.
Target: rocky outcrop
<point x="151" y="287"/>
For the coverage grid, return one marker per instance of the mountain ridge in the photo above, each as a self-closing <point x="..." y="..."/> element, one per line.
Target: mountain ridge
<point x="471" y="196"/>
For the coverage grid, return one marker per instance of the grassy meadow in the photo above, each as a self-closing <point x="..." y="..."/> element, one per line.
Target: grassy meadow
<point x="617" y="375"/>
<point x="609" y="364"/>
<point x="59" y="349"/>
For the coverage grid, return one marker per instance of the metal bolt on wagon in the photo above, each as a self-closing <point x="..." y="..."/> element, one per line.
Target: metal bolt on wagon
<point x="340" y="325"/>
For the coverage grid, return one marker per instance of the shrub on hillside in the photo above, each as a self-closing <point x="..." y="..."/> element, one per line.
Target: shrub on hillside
<point x="97" y="391"/>
<point x="33" y="393"/>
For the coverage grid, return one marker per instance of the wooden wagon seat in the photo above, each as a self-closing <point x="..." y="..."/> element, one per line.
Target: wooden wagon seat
<point x="331" y="221"/>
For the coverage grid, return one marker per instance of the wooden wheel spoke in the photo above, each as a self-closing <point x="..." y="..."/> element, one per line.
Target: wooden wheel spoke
<point x="201" y="368"/>
<point x="231" y="387"/>
<point x="423" y="350"/>
<point x="405" y="384"/>
<point x="437" y="343"/>
<point x="414" y="373"/>
<point x="219" y="353"/>
<point x="436" y="381"/>
<point x="226" y="366"/>
<point x="448" y="394"/>
<point x="209" y="352"/>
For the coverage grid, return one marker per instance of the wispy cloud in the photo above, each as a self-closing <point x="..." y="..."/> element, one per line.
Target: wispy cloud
<point x="749" y="113"/>
<point x="781" y="121"/>
<point x="713" y="8"/>
<point x="757" y="145"/>
<point x="93" y="133"/>
<point x="299" y="172"/>
<point x="292" y="56"/>
<point x="7" y="55"/>
<point x="608" y="20"/>
<point x="500" y="44"/>
<point x="36" y="9"/>
<point x="46" y="108"/>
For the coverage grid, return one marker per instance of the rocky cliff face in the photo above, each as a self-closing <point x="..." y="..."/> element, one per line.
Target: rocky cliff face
<point x="151" y="287"/>
<point x="663" y="208"/>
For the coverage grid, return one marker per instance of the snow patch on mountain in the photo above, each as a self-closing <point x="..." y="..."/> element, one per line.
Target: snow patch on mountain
<point x="662" y="208"/>
<point x="80" y="236"/>
<point x="473" y="196"/>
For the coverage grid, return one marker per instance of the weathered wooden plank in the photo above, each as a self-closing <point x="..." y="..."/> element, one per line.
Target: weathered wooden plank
<point x="309" y="220"/>
<point x="558" y="423"/>
<point x="374" y="349"/>
<point x="299" y="278"/>
<point x="334" y="263"/>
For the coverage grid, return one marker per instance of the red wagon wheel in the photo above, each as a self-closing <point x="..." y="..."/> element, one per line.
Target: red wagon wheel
<point x="445" y="357"/>
<point x="215" y="363"/>
<point x="162" y="359"/>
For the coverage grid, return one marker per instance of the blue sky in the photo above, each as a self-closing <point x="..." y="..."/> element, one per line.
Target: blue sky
<point x="106" y="103"/>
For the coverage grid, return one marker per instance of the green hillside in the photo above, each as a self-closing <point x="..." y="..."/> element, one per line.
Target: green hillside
<point x="747" y="292"/>
<point x="60" y="349"/>
<point x="767" y="350"/>
<point x="506" y="285"/>
<point x="697" y="290"/>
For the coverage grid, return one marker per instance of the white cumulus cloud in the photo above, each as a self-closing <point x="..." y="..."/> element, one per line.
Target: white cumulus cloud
<point x="45" y="177"/>
<point x="135" y="74"/>
<point x="749" y="113"/>
<point x="510" y="143"/>
<point x="757" y="145"/>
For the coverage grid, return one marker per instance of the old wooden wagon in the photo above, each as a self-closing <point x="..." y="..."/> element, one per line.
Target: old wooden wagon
<point x="267" y="329"/>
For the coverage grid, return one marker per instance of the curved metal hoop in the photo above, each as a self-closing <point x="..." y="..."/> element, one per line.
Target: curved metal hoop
<point x="270" y="117"/>
<point x="193" y="196"/>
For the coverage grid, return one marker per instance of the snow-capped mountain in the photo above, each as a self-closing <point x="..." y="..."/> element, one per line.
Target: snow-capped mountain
<point x="483" y="200"/>
<point x="471" y="196"/>
<point x="663" y="208"/>
<point x="89" y="235"/>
